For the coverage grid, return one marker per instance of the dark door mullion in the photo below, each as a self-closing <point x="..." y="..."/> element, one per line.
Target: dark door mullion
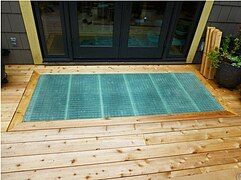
<point x="74" y="27"/>
<point x="191" y="31"/>
<point x="63" y="26"/>
<point x="67" y="28"/>
<point x="173" y="24"/>
<point x="125" y="28"/>
<point x="192" y="28"/>
<point x="165" y="27"/>
<point x="117" y="28"/>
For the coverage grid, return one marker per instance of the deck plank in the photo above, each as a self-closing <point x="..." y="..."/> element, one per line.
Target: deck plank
<point x="194" y="173"/>
<point x="122" y="120"/>
<point x="130" y="168"/>
<point x="103" y="131"/>
<point x="187" y="146"/>
<point x="71" y="145"/>
<point x="68" y="159"/>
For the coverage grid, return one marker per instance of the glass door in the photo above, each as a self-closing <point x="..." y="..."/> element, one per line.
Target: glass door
<point x="183" y="24"/>
<point x="119" y="30"/>
<point x="115" y="31"/>
<point x="144" y="29"/>
<point x="95" y="29"/>
<point x="52" y="30"/>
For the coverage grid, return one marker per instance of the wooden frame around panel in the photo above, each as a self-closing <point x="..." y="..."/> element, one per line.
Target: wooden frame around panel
<point x="17" y="123"/>
<point x="24" y="102"/>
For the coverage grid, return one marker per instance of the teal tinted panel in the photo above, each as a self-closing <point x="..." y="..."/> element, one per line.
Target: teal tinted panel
<point x="197" y="91"/>
<point x="59" y="97"/>
<point x="146" y="100"/>
<point x="116" y="100"/>
<point x="49" y="99"/>
<point x="174" y="96"/>
<point x="84" y="97"/>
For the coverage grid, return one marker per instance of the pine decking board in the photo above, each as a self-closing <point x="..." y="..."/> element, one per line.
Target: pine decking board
<point x="113" y="170"/>
<point x="116" y="154"/>
<point x="188" y="146"/>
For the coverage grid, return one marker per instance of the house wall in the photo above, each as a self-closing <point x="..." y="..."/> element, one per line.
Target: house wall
<point x="13" y="26"/>
<point x="226" y="16"/>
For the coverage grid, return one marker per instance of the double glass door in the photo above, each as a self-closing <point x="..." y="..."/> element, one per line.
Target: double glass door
<point x="117" y="31"/>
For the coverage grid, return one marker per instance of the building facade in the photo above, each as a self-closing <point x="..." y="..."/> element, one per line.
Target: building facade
<point x="112" y="32"/>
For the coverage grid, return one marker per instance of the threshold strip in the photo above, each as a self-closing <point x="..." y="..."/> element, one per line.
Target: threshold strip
<point x="159" y="94"/>
<point x="101" y="99"/>
<point x="67" y="101"/>
<point x="181" y="86"/>
<point x="130" y="96"/>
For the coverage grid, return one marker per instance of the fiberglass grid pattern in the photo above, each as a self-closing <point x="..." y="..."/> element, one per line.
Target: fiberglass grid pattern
<point x="49" y="100"/>
<point x="175" y="98"/>
<point x="203" y="98"/>
<point x="28" y="113"/>
<point x="145" y="98"/>
<point x="59" y="97"/>
<point x="116" y="100"/>
<point x="84" y="97"/>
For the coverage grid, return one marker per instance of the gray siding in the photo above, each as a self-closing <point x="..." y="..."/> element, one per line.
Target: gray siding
<point x="226" y="16"/>
<point x="13" y="26"/>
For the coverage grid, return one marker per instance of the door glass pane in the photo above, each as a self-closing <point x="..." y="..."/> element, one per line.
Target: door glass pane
<point x="183" y="28"/>
<point x="95" y="20"/>
<point x="145" y="23"/>
<point x="52" y="29"/>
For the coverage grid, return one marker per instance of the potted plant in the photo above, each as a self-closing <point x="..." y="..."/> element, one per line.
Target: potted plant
<point x="227" y="61"/>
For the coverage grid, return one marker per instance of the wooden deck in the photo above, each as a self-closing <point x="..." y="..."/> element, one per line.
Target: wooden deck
<point x="180" y="147"/>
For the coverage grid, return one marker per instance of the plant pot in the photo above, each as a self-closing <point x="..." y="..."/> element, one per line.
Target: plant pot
<point x="228" y="76"/>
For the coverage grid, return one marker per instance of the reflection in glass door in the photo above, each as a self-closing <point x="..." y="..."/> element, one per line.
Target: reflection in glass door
<point x="183" y="27"/>
<point x="182" y="30"/>
<point x="146" y="23"/>
<point x="119" y="29"/>
<point x="49" y="15"/>
<point x="96" y="26"/>
<point x="144" y="29"/>
<point x="96" y="21"/>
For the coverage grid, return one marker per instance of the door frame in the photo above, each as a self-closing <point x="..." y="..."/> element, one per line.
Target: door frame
<point x="38" y="56"/>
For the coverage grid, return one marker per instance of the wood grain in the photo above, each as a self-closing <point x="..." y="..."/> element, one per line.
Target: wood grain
<point x="186" y="146"/>
<point x="22" y="107"/>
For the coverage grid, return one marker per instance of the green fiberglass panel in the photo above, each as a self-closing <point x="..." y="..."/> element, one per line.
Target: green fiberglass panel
<point x="197" y="91"/>
<point x="174" y="96"/>
<point x="145" y="98"/>
<point x="84" y="97"/>
<point x="49" y="99"/>
<point x="88" y="96"/>
<point x="115" y="97"/>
